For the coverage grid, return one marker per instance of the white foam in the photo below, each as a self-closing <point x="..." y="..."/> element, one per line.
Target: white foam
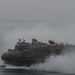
<point x="64" y="64"/>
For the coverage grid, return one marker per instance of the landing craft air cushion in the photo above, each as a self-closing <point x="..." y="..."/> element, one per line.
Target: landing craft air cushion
<point x="31" y="53"/>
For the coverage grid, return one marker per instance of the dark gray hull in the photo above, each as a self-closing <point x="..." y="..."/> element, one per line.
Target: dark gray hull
<point x="11" y="58"/>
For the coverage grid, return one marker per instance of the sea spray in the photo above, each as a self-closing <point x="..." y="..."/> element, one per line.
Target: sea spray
<point x="63" y="63"/>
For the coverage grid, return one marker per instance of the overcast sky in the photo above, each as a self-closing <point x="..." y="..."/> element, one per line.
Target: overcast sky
<point x="37" y="10"/>
<point x="42" y="19"/>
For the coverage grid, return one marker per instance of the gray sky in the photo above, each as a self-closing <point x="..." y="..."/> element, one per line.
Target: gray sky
<point x="42" y="19"/>
<point x="37" y="10"/>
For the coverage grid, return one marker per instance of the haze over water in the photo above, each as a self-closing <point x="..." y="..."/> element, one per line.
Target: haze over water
<point x="41" y="19"/>
<point x="64" y="63"/>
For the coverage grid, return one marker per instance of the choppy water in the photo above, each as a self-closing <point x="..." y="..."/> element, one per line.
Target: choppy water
<point x="9" y="70"/>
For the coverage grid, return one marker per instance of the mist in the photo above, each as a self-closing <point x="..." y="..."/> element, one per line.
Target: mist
<point x="11" y="32"/>
<point x="62" y="64"/>
<point x="42" y="32"/>
<point x="41" y="19"/>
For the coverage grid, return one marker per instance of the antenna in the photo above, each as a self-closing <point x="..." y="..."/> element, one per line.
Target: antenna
<point x="24" y="40"/>
<point x="19" y="40"/>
